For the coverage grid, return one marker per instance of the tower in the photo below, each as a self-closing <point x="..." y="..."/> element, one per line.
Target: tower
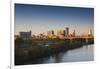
<point x="50" y="34"/>
<point x="74" y="33"/>
<point x="66" y="31"/>
<point x="90" y="32"/>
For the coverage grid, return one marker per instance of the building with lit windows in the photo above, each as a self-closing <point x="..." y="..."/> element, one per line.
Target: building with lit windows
<point x="50" y="34"/>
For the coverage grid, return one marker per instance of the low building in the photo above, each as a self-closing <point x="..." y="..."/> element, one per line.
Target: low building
<point x="25" y="35"/>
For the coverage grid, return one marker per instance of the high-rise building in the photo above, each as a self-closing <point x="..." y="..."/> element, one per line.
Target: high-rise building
<point x="50" y="34"/>
<point x="90" y="33"/>
<point x="74" y="33"/>
<point x="66" y="31"/>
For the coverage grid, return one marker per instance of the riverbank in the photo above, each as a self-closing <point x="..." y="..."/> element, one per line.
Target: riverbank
<point x="35" y="49"/>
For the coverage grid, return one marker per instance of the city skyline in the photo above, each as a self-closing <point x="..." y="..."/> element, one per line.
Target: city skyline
<point x="65" y="32"/>
<point x="39" y="18"/>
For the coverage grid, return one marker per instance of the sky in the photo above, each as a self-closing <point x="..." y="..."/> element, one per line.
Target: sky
<point x="42" y="18"/>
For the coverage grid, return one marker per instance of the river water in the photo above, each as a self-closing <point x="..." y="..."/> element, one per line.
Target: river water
<point x="85" y="53"/>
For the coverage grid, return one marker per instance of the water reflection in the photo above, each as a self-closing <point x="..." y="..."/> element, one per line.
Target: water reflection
<point x="85" y="53"/>
<point x="58" y="57"/>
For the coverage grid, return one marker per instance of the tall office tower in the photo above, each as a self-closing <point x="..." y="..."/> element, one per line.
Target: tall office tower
<point x="52" y="31"/>
<point x="66" y="31"/>
<point x="74" y="33"/>
<point x="50" y="34"/>
<point x="90" y="32"/>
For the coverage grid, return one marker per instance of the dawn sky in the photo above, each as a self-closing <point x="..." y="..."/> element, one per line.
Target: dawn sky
<point x="39" y="18"/>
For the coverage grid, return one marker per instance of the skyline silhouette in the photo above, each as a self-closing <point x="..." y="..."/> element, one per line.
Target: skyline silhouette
<point x="41" y="18"/>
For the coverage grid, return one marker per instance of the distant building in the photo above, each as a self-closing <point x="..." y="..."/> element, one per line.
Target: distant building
<point x="33" y="36"/>
<point x="41" y="36"/>
<point x="90" y="33"/>
<point x="74" y="34"/>
<point x="25" y="35"/>
<point x="50" y="34"/>
<point x="61" y="33"/>
<point x="66" y="31"/>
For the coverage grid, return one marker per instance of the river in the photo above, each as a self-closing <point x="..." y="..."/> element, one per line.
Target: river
<point x="85" y="53"/>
